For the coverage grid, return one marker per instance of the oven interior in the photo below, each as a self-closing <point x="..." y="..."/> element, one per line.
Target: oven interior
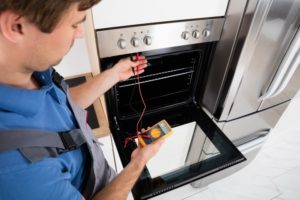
<point x="173" y="78"/>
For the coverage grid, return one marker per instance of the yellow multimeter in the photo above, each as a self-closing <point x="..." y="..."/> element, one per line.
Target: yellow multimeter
<point x="158" y="131"/>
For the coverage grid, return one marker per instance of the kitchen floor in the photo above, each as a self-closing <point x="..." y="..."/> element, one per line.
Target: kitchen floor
<point x="273" y="175"/>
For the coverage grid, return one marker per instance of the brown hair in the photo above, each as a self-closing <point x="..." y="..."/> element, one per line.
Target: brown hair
<point x="45" y="14"/>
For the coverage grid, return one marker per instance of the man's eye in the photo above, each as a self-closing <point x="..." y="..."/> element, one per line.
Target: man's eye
<point x="74" y="26"/>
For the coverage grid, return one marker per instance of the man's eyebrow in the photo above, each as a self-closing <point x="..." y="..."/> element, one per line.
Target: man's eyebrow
<point x="82" y="20"/>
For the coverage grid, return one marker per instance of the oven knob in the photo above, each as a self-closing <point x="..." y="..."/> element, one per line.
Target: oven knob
<point x="196" y="34"/>
<point x="135" y="42"/>
<point x="206" y="32"/>
<point x="122" y="44"/>
<point x="148" y="40"/>
<point x="185" y="35"/>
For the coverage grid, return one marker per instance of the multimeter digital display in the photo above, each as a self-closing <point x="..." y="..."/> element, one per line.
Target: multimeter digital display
<point x="160" y="130"/>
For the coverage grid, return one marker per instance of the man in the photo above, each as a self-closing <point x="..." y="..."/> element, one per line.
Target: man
<point x="35" y="35"/>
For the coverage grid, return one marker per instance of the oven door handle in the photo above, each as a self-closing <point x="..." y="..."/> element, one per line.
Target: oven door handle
<point x="288" y="66"/>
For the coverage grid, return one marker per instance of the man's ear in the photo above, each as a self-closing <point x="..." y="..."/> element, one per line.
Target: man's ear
<point x="11" y="26"/>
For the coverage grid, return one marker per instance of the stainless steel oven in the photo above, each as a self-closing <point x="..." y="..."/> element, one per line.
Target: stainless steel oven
<point x="179" y="55"/>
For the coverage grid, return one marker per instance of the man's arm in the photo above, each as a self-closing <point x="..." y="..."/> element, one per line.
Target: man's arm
<point x="85" y="94"/>
<point x="121" y="185"/>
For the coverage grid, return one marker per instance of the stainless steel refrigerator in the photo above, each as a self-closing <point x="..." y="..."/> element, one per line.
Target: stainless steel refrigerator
<point x="247" y="95"/>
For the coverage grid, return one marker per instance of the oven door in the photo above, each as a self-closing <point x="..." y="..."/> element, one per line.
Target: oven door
<point x="197" y="148"/>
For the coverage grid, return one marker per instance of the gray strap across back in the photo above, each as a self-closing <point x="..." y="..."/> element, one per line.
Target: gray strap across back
<point x="49" y="144"/>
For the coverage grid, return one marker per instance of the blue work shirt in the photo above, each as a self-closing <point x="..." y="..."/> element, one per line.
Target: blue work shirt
<point x="45" y="109"/>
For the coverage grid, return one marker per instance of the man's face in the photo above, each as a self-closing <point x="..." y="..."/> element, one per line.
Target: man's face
<point x="44" y="49"/>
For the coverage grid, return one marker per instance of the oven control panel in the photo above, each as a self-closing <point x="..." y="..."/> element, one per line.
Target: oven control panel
<point x="126" y="40"/>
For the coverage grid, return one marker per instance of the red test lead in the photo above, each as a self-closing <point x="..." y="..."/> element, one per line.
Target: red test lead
<point x="144" y="108"/>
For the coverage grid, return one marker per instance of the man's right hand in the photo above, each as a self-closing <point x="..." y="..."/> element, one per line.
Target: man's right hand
<point x="141" y="155"/>
<point x="123" y="182"/>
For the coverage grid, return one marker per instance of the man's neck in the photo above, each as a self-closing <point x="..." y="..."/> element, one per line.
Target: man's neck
<point x="18" y="79"/>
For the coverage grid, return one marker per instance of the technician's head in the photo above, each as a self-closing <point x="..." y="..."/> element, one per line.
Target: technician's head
<point x="38" y="33"/>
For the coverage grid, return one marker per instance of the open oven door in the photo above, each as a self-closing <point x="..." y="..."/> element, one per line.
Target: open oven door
<point x="196" y="149"/>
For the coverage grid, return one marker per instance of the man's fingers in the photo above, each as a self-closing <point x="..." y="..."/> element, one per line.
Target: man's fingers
<point x="134" y="58"/>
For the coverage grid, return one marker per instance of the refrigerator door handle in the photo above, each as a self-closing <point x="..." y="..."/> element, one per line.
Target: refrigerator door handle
<point x="288" y="66"/>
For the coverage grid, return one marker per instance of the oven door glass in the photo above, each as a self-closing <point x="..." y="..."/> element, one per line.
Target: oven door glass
<point x="197" y="148"/>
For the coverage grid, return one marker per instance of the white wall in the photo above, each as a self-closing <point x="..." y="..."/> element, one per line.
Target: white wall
<point x="112" y="13"/>
<point x="76" y="62"/>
